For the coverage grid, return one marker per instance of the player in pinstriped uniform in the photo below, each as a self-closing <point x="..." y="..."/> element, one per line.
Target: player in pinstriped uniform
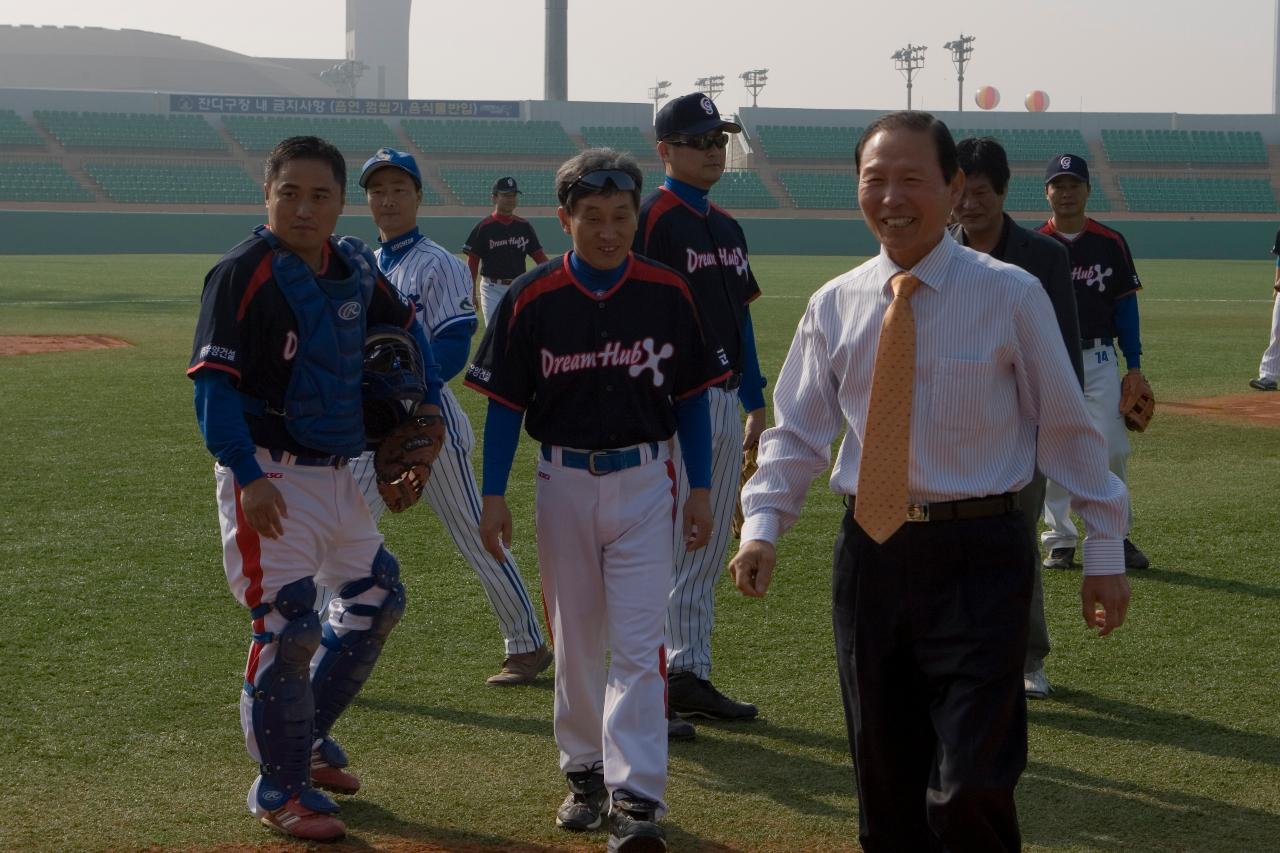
<point x="680" y="227"/>
<point x="439" y="287"/>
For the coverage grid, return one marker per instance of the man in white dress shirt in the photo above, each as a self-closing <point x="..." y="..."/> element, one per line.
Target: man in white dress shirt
<point x="930" y="608"/>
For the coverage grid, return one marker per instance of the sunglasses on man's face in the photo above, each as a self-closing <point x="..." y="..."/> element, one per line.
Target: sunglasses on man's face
<point x="599" y="181"/>
<point x="700" y="143"/>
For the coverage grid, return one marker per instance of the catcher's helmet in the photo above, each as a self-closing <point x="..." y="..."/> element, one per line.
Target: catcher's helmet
<point x="392" y="383"/>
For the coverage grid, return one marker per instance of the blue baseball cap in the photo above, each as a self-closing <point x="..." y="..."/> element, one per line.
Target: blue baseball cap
<point x="391" y="157"/>
<point x="693" y="115"/>
<point x="1067" y="164"/>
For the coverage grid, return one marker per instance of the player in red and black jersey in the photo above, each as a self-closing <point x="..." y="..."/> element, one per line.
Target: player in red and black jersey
<point x="1106" y="288"/>
<point x="497" y="247"/>
<point x="602" y="355"/>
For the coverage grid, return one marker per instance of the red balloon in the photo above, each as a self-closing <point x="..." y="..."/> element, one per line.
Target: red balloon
<point x="1037" y="101"/>
<point x="987" y="98"/>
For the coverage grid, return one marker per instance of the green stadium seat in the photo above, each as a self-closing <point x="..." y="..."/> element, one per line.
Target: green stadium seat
<point x="176" y="183"/>
<point x="630" y="139"/>
<point x="817" y="142"/>
<point x="1145" y="194"/>
<point x="131" y="130"/>
<point x="1182" y="146"/>
<point x="37" y="180"/>
<point x="821" y="190"/>
<point x="14" y="132"/>
<point x="490" y="136"/>
<point x="356" y="138"/>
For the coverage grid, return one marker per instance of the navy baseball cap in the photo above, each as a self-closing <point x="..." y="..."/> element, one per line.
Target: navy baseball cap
<point x="1067" y="164"/>
<point x="692" y="115"/>
<point x="391" y="157"/>
<point x="505" y="185"/>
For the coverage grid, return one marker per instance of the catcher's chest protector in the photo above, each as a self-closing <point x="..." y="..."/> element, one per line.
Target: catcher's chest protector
<point x="323" y="405"/>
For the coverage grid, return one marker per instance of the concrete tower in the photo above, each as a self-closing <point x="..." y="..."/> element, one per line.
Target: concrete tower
<point x="1275" y="60"/>
<point x="378" y="39"/>
<point x="557" y="52"/>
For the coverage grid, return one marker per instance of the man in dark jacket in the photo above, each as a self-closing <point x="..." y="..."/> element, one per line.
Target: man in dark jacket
<point x="982" y="225"/>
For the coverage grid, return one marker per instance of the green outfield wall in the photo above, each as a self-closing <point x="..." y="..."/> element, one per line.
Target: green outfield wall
<point x="45" y="232"/>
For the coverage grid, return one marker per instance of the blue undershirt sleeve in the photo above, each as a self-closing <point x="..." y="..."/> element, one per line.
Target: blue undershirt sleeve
<point x="751" y="391"/>
<point x="1126" y="320"/>
<point x="429" y="364"/>
<point x="220" y="415"/>
<point x="693" y="425"/>
<point x="501" y="435"/>
<point x="451" y="348"/>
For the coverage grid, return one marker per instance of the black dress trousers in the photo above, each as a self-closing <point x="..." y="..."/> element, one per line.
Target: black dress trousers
<point x="931" y="631"/>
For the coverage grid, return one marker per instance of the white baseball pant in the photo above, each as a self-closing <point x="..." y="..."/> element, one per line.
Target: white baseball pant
<point x="454" y="497"/>
<point x="604" y="551"/>
<point x="329" y="535"/>
<point x="491" y="293"/>
<point x="1102" y="399"/>
<point x="1269" y="368"/>
<point x="691" y="609"/>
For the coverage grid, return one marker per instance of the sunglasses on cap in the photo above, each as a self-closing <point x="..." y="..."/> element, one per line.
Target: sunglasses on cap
<point x="599" y="181"/>
<point x="699" y="143"/>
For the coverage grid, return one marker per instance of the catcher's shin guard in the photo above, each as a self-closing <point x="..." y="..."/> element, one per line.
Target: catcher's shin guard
<point x="283" y="706"/>
<point x="347" y="660"/>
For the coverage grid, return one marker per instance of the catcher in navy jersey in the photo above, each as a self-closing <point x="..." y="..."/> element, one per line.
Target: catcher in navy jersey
<point x="682" y="228"/>
<point x="277" y="366"/>
<point x="497" y="247"/>
<point x="1106" y="287"/>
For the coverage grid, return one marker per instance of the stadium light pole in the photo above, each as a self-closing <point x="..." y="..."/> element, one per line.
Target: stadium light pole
<point x="754" y="80"/>
<point x="712" y="85"/>
<point x="344" y="76"/>
<point x="961" y="49"/>
<point x="909" y="60"/>
<point x="658" y="94"/>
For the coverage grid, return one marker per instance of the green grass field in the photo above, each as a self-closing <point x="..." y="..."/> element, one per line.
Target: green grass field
<point x="125" y="650"/>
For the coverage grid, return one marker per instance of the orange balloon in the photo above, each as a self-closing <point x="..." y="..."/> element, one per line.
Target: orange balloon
<point x="1037" y="101"/>
<point x="987" y="97"/>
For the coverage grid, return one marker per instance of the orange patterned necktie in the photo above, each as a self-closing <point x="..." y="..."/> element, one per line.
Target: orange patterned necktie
<point x="881" y="502"/>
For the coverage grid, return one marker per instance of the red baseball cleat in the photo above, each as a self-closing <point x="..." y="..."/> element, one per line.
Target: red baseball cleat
<point x="293" y="818"/>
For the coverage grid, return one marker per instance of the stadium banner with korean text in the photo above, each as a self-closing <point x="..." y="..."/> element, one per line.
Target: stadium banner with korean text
<point x="345" y="107"/>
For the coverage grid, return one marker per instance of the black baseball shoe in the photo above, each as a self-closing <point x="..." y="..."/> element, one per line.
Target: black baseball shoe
<point x="583" y="809"/>
<point x="1134" y="558"/>
<point x="633" y="825"/>
<point x="678" y="729"/>
<point x="690" y="696"/>
<point x="1060" y="558"/>
<point x="1263" y="383"/>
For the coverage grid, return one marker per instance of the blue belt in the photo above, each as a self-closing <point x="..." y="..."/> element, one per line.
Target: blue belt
<point x="1091" y="343"/>
<point x="286" y="458"/>
<point x="601" y="462"/>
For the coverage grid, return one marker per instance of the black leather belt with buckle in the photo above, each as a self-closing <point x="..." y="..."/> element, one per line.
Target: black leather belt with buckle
<point x="956" y="510"/>
<point x="730" y="384"/>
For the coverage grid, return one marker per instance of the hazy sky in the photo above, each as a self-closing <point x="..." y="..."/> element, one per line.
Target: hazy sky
<point x="1099" y="55"/>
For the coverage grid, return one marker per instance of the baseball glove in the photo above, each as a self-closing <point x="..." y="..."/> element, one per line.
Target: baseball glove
<point x="748" y="468"/>
<point x="1137" y="401"/>
<point x="404" y="458"/>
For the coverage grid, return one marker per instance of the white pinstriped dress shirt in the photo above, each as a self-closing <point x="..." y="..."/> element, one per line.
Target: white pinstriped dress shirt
<point x="994" y="393"/>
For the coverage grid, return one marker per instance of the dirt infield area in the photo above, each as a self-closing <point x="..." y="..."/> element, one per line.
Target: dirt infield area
<point x="29" y="344"/>
<point x="1259" y="407"/>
